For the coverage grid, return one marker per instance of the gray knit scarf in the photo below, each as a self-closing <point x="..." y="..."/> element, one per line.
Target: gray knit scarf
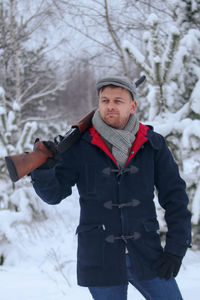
<point x="120" y="141"/>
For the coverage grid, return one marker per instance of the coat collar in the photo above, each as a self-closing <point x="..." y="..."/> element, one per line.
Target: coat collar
<point x="141" y="138"/>
<point x="98" y="141"/>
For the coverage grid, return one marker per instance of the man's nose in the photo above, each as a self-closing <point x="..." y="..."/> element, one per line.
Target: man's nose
<point x="111" y="105"/>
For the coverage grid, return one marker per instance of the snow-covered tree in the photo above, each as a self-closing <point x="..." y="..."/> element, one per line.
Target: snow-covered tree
<point x="172" y="103"/>
<point x="28" y="82"/>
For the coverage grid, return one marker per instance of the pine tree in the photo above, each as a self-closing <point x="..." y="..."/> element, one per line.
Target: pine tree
<point x="171" y="100"/>
<point x="28" y="82"/>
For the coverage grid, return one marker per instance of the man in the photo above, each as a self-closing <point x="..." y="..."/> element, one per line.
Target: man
<point x="116" y="165"/>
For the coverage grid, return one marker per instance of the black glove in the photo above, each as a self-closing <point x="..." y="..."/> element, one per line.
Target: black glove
<point x="168" y="265"/>
<point x="50" y="162"/>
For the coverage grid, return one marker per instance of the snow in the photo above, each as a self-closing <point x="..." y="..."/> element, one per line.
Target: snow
<point x="170" y="90"/>
<point x="196" y="206"/>
<point x="2" y="110"/>
<point x="173" y="30"/>
<point x="41" y="260"/>
<point x="146" y="36"/>
<point x="16" y="106"/>
<point x="30" y="283"/>
<point x="151" y="99"/>
<point x="2" y="92"/>
<point x="10" y="121"/>
<point x="195" y="98"/>
<point x="191" y="39"/>
<point x="134" y="51"/>
<point x="194" y="5"/>
<point x="152" y="20"/>
<point x="192" y="130"/>
<point x="25" y="141"/>
<point x="157" y="59"/>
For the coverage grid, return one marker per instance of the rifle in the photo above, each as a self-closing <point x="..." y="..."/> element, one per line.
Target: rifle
<point x="20" y="165"/>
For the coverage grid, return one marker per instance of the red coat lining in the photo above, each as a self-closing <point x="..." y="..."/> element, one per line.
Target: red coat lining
<point x="139" y="141"/>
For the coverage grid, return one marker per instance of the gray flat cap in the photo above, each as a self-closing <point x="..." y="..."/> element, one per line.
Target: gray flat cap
<point x="119" y="81"/>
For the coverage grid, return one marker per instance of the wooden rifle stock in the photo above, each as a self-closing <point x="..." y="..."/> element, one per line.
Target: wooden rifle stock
<point x="20" y="165"/>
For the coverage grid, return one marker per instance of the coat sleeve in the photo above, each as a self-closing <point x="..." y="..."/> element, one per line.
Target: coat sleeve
<point x="173" y="198"/>
<point x="55" y="184"/>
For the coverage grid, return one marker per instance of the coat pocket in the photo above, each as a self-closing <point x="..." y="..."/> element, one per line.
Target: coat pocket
<point x="90" y="245"/>
<point x="151" y="236"/>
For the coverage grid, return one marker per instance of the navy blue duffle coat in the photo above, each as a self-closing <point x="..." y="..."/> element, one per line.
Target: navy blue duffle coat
<point x="117" y="207"/>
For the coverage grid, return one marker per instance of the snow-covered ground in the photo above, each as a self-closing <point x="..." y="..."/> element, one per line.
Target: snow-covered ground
<point x="29" y="281"/>
<point x="41" y="261"/>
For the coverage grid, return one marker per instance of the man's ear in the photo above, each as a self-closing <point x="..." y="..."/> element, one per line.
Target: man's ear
<point x="134" y="106"/>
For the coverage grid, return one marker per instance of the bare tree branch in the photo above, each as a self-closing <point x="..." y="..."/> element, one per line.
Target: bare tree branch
<point x="114" y="37"/>
<point x="28" y="89"/>
<point x="45" y="92"/>
<point x="38" y="119"/>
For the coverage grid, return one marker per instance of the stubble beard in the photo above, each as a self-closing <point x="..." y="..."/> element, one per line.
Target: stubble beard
<point x="116" y="122"/>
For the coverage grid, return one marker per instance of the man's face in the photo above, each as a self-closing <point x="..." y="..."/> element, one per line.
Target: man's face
<point x="116" y="106"/>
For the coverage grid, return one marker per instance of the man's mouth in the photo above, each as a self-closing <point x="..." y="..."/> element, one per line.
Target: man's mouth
<point x="111" y="114"/>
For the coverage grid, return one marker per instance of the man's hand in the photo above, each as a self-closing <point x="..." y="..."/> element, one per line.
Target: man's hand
<point x="50" y="162"/>
<point x="168" y="265"/>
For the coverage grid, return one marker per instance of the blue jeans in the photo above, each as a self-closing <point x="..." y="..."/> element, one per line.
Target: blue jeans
<point x="154" y="289"/>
